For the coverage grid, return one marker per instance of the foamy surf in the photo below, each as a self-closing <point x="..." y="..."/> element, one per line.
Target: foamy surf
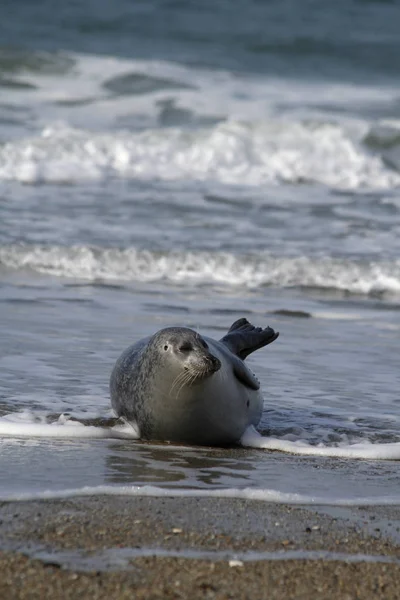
<point x="222" y="268"/>
<point x="88" y="84"/>
<point x="231" y="152"/>
<point x="26" y="425"/>
<point x="262" y="495"/>
<point x="94" y="117"/>
<point x="363" y="450"/>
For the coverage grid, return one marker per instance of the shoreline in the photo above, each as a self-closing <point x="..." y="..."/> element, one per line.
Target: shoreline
<point x="151" y="547"/>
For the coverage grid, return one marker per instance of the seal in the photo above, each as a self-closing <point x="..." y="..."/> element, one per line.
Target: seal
<point x="180" y="386"/>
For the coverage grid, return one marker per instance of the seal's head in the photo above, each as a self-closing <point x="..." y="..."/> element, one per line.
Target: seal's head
<point x="186" y="350"/>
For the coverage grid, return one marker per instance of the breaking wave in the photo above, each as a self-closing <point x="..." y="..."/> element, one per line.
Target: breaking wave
<point x="95" y="117"/>
<point x="231" y="152"/>
<point x="221" y="268"/>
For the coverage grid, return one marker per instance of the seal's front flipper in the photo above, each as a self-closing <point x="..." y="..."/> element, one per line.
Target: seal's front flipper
<point x="243" y="373"/>
<point x="243" y="338"/>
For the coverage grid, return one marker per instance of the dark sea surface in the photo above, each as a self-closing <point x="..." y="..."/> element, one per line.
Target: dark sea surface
<point x="189" y="163"/>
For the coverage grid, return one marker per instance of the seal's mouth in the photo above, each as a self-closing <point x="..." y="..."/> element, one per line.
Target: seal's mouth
<point x="200" y="370"/>
<point x="193" y="373"/>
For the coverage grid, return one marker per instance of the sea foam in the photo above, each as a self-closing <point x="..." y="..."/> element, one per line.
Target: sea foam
<point x="230" y="152"/>
<point x="27" y="425"/>
<point x="222" y="268"/>
<point x="362" y="450"/>
<point x="93" y="117"/>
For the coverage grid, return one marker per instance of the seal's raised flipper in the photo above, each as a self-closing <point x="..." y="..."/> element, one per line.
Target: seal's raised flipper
<point x="243" y="338"/>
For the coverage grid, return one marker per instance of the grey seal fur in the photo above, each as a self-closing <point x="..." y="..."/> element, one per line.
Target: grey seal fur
<point x="180" y="386"/>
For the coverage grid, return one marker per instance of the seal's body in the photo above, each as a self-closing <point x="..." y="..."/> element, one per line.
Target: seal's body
<point x="180" y="386"/>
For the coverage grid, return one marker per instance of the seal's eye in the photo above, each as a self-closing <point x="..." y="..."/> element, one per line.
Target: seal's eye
<point x="186" y="347"/>
<point x="166" y="347"/>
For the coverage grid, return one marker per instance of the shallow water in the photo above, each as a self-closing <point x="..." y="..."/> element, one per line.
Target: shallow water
<point x="189" y="173"/>
<point x="116" y="559"/>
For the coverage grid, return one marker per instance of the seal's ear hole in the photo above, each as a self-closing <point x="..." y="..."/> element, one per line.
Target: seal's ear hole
<point x="166" y="347"/>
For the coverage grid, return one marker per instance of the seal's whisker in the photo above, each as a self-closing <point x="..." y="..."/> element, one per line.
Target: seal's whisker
<point x="203" y="373"/>
<point x="194" y="377"/>
<point x="178" y="379"/>
<point x="187" y="380"/>
<point x="175" y="382"/>
<point x="181" y="377"/>
<point x="191" y="379"/>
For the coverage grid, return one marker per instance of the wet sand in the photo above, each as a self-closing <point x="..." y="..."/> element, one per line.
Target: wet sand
<point x="138" y="547"/>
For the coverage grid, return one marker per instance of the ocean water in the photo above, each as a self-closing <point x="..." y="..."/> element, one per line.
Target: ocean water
<point x="179" y="163"/>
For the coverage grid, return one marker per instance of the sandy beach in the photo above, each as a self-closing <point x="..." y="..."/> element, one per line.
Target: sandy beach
<point x="122" y="547"/>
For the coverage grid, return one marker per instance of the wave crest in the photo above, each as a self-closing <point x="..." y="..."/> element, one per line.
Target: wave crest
<point x="230" y="152"/>
<point x="222" y="268"/>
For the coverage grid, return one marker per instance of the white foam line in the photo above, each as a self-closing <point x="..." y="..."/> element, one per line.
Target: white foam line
<point x="67" y="430"/>
<point x="64" y="428"/>
<point x="286" y="151"/>
<point x="262" y="495"/>
<point x="222" y="268"/>
<point x="390" y="451"/>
